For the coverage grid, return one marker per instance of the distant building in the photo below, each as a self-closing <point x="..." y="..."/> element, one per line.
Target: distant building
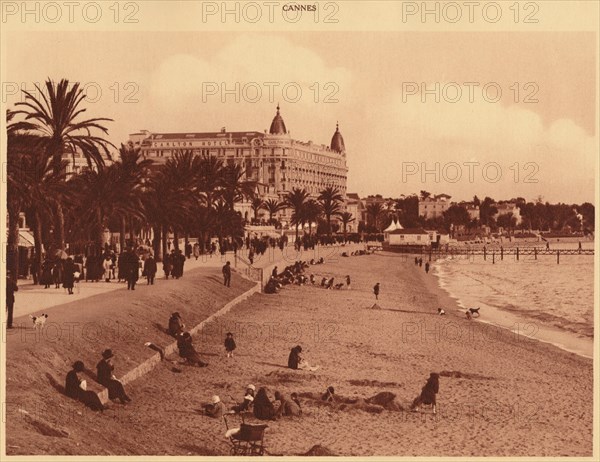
<point x="472" y="209"/>
<point x="354" y="206"/>
<point x="409" y="236"/>
<point x="509" y="207"/>
<point x="433" y="207"/>
<point x="273" y="159"/>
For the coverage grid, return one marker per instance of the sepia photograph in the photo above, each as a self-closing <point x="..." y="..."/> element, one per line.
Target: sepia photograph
<point x="322" y="229"/>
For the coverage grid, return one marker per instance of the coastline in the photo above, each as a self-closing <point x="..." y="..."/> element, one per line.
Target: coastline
<point x="515" y="323"/>
<point x="361" y="351"/>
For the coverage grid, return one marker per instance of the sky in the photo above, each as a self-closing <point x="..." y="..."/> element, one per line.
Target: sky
<point x="537" y="137"/>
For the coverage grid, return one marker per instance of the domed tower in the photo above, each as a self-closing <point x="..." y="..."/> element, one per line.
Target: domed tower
<point x="337" y="141"/>
<point x="278" y="125"/>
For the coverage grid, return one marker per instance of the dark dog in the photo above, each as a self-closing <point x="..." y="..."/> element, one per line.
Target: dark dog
<point x="428" y="393"/>
<point x="474" y="312"/>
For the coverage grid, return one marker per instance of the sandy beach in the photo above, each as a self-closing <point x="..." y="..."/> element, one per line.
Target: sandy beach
<point x="500" y="394"/>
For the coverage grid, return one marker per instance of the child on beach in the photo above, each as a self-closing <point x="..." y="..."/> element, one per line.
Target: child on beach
<point x="229" y="344"/>
<point x="428" y="393"/>
<point x="376" y="291"/>
<point x="348" y="282"/>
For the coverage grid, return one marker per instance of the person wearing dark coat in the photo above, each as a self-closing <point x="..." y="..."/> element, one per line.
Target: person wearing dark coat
<point x="176" y="324"/>
<point x="167" y="265"/>
<point x="263" y="407"/>
<point x="428" y="393"/>
<point x="11" y="288"/>
<point x="46" y="277"/>
<point x="187" y="350"/>
<point x="294" y="357"/>
<point x="150" y="269"/>
<point x="227" y="274"/>
<point x="69" y="275"/>
<point x="57" y="274"/>
<point x="376" y="291"/>
<point x="77" y="388"/>
<point x="106" y="378"/>
<point x="132" y="267"/>
<point x="229" y="344"/>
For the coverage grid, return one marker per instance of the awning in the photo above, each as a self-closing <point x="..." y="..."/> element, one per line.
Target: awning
<point x="26" y="239"/>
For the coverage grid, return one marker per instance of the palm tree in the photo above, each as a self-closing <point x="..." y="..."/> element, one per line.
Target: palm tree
<point x="346" y="218"/>
<point x="375" y="210"/>
<point x="330" y="200"/>
<point x="54" y="118"/>
<point x="132" y="169"/>
<point x="273" y="206"/>
<point x="233" y="186"/>
<point x="296" y="199"/>
<point x="257" y="204"/>
<point x="312" y="212"/>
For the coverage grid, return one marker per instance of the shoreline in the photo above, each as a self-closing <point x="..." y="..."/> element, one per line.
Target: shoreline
<point x="565" y="340"/>
<point x="361" y="351"/>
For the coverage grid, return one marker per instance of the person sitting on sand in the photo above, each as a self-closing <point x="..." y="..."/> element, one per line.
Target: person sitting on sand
<point x="295" y="361"/>
<point x="263" y="407"/>
<point x="428" y="393"/>
<point x="295" y="399"/>
<point x="215" y="408"/>
<point x="187" y="350"/>
<point x="106" y="377"/>
<point x="77" y="388"/>
<point x="348" y="282"/>
<point x="245" y="405"/>
<point x="176" y="324"/>
<point x="329" y="394"/>
<point x="287" y="407"/>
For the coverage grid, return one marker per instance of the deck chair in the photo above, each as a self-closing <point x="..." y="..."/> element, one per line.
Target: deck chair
<point x="249" y="440"/>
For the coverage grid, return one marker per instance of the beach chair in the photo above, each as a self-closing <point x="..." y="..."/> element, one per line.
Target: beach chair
<point x="249" y="440"/>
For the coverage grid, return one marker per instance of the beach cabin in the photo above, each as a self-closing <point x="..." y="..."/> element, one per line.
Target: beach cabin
<point x="408" y="236"/>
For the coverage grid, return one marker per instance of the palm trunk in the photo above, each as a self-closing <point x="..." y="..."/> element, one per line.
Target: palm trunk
<point x="156" y="243"/>
<point x="122" y="234"/>
<point x="12" y="262"/>
<point x="99" y="230"/>
<point x="164" y="233"/>
<point x="37" y="235"/>
<point x="176" y="239"/>
<point x="59" y="234"/>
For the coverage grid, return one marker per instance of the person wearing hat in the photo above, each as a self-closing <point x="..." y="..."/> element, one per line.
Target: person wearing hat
<point x="150" y="269"/>
<point x="187" y="350"/>
<point x="248" y="400"/>
<point x="229" y="344"/>
<point x="215" y="408"/>
<point x="227" y="274"/>
<point x="176" y="324"/>
<point x="77" y="388"/>
<point x="287" y="407"/>
<point x="11" y="288"/>
<point x="106" y="378"/>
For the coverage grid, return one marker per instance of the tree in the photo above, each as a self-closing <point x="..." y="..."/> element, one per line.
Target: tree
<point x="233" y="186"/>
<point x="272" y="206"/>
<point x="256" y="204"/>
<point x="424" y="194"/>
<point x="330" y="201"/>
<point x="296" y="199"/>
<point x="456" y="215"/>
<point x="375" y="211"/>
<point x="507" y="221"/>
<point x="487" y="210"/>
<point x="54" y="118"/>
<point x="311" y="212"/>
<point x="346" y="218"/>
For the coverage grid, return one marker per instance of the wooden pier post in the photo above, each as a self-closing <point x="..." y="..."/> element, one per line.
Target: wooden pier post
<point x="493" y="257"/>
<point x="517" y="254"/>
<point x="484" y="253"/>
<point x="558" y="257"/>
<point x="501" y="253"/>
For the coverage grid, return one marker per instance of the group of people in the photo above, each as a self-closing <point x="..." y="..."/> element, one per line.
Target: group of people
<point x="173" y="264"/>
<point x="76" y="387"/>
<point x="419" y="262"/>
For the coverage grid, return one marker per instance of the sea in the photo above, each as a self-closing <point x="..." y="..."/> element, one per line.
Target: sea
<point x="551" y="302"/>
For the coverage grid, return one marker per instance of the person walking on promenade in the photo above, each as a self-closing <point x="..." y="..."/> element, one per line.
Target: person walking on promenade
<point x="46" y="276"/>
<point x="196" y="251"/>
<point x="106" y="378"/>
<point x="11" y="288"/>
<point x="150" y="269"/>
<point x="69" y="275"/>
<point x="57" y="274"/>
<point x="420" y="262"/>
<point x="376" y="291"/>
<point x="227" y="274"/>
<point x="106" y="266"/>
<point x="427" y="267"/>
<point x="132" y="267"/>
<point x="167" y="265"/>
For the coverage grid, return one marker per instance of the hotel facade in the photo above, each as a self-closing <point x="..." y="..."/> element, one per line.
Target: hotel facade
<point x="273" y="159"/>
